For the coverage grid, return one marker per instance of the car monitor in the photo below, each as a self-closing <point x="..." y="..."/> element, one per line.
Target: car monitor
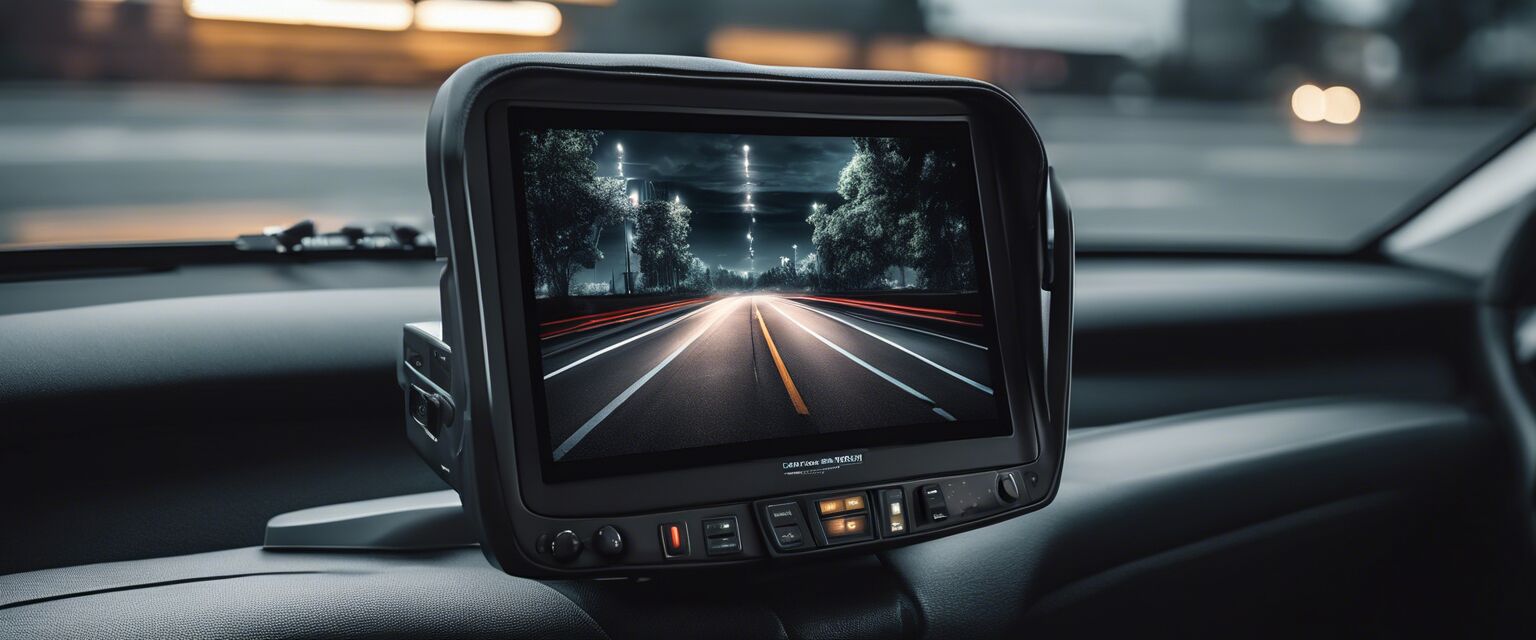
<point x="701" y="314"/>
<point x="678" y="321"/>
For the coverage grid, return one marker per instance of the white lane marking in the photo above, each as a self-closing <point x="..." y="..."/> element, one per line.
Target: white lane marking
<point x="623" y="342"/>
<point x="944" y="414"/>
<point x="602" y="414"/>
<point x="887" y="377"/>
<point x="979" y="386"/>
<point x="924" y="331"/>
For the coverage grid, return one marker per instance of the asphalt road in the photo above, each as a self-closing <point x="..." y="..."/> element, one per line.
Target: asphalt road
<point x="125" y="162"/>
<point x="754" y="367"/>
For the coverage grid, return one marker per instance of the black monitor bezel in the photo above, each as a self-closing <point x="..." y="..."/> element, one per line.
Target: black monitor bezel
<point x="500" y="470"/>
<point x="953" y="129"/>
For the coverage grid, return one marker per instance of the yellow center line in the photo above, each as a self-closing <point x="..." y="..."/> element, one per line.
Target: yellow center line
<point x="789" y="383"/>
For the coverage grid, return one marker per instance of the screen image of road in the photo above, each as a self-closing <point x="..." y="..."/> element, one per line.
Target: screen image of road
<point x="702" y="289"/>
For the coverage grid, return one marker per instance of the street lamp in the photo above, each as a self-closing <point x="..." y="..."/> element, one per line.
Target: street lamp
<point x="629" y="235"/>
<point x="620" y="147"/>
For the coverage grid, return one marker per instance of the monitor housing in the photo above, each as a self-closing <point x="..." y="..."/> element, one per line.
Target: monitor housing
<point x="476" y="405"/>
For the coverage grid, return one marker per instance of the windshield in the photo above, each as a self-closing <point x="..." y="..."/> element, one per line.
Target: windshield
<point x="1298" y="125"/>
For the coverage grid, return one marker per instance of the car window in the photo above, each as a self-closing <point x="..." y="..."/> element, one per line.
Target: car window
<point x="1295" y="125"/>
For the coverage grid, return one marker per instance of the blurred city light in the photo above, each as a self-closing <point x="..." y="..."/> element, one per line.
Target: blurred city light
<point x="380" y="15"/>
<point x="1308" y="103"/>
<point x="790" y="48"/>
<point x="1337" y="105"/>
<point x="929" y="56"/>
<point x="1342" y="105"/>
<point x="520" y="17"/>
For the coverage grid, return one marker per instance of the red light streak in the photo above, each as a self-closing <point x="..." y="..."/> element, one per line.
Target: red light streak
<point x="928" y="313"/>
<point x="608" y="318"/>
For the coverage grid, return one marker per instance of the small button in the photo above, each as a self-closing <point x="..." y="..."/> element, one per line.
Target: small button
<point x="608" y="541"/>
<point x="674" y="539"/>
<point x="895" y="514"/>
<point x="424" y="409"/>
<point x="440" y="371"/>
<point x="722" y="546"/>
<point x="1008" y="487"/>
<point x="788" y="537"/>
<point x="720" y="527"/>
<point x="932" y="499"/>
<point x="783" y="514"/>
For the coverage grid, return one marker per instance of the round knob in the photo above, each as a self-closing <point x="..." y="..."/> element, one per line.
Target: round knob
<point x="565" y="546"/>
<point x="608" y="542"/>
<point x="1008" y="487"/>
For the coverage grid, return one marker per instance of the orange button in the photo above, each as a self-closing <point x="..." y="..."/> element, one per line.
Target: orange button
<point x="848" y="526"/>
<point x="829" y="506"/>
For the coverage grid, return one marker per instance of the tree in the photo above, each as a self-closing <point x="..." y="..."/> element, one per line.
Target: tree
<point x="809" y="272"/>
<point x="567" y="204"/>
<point x="698" y="279"/>
<point x="936" y="229"/>
<point x="856" y="239"/>
<point x="661" y="242"/>
<point x="902" y="208"/>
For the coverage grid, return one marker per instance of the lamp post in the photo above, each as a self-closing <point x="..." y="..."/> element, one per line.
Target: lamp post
<point x="629" y="242"/>
<point x="746" y="171"/>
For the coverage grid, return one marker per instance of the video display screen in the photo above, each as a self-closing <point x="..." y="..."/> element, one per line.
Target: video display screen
<point x="741" y="292"/>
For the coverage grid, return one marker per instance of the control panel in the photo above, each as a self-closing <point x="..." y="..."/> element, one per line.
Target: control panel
<point x="791" y="525"/>
<point x="799" y="524"/>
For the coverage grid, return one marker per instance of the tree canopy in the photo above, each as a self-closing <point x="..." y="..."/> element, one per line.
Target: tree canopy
<point x="902" y="208"/>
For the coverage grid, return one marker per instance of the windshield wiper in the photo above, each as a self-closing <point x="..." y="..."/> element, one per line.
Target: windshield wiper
<point x="303" y="238"/>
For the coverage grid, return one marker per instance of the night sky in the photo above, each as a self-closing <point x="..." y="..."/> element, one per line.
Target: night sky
<point x="705" y="170"/>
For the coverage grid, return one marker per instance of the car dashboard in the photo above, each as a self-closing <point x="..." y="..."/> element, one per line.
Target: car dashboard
<point x="189" y="418"/>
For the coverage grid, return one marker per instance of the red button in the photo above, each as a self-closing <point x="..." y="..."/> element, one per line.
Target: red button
<point x="674" y="539"/>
